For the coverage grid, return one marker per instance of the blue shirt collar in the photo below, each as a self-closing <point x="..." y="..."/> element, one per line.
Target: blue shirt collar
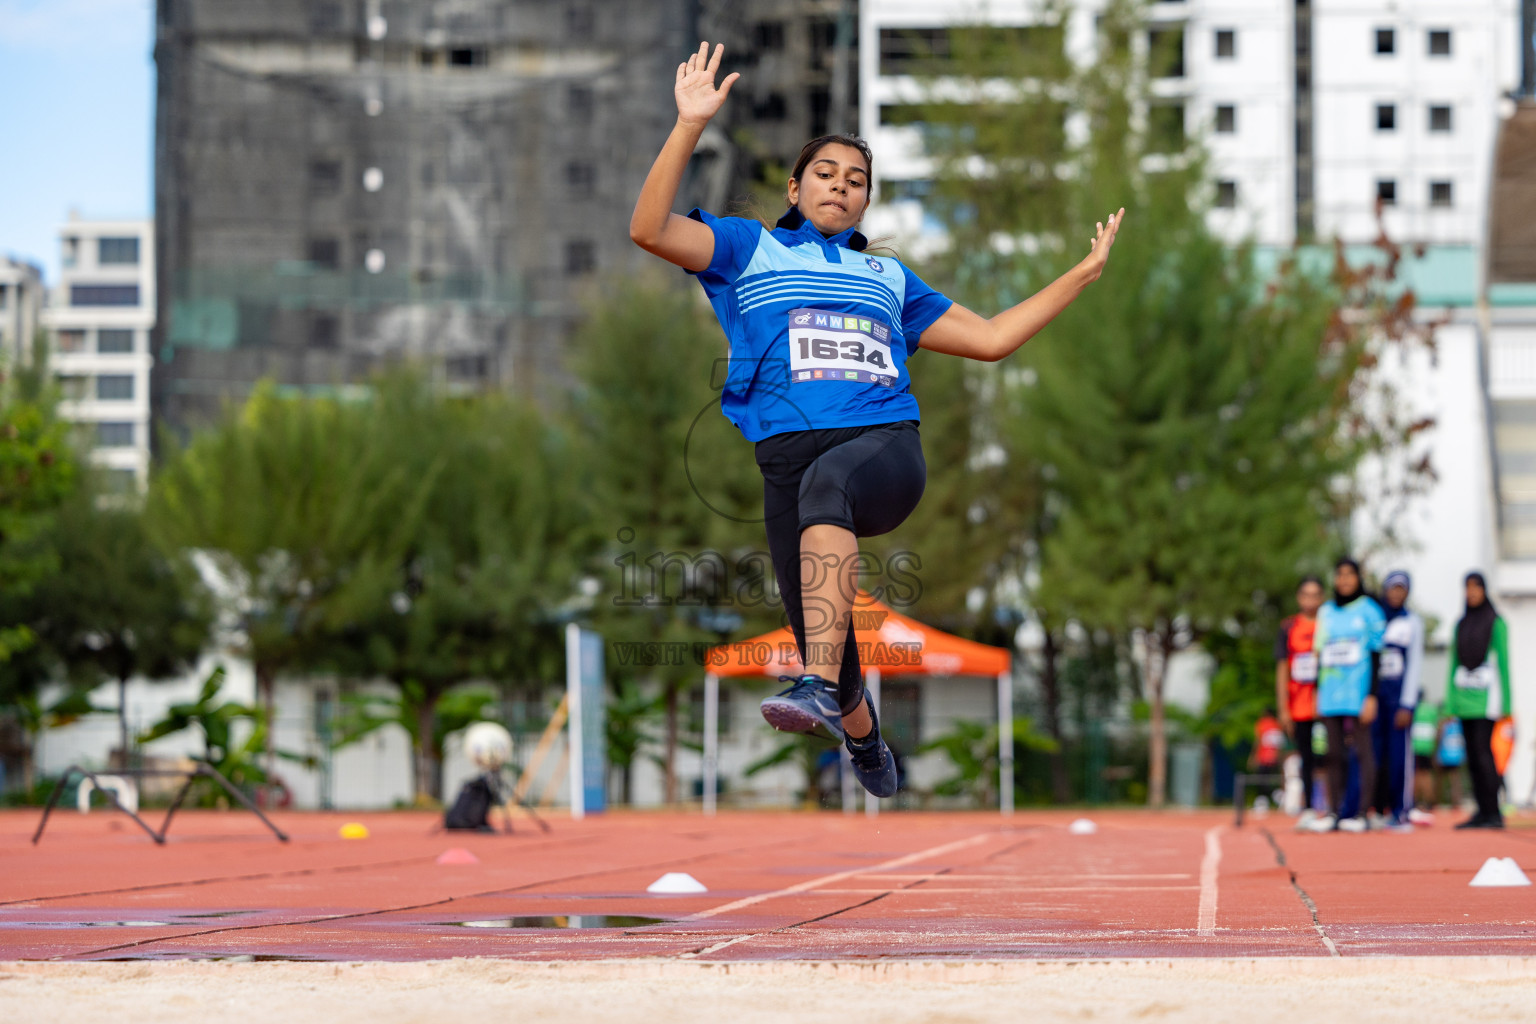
<point x="793" y="229"/>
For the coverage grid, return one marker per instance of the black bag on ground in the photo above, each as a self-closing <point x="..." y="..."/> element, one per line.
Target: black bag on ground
<point x="472" y="810"/>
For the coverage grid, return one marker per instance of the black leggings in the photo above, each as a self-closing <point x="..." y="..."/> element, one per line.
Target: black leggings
<point x="1346" y="735"/>
<point x="864" y="479"/>
<point x="1301" y="735"/>
<point x="1482" y="767"/>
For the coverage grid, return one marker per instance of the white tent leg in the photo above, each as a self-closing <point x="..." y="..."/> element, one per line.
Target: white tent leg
<point x="1005" y="742"/>
<point x="872" y="684"/>
<point x="711" y="740"/>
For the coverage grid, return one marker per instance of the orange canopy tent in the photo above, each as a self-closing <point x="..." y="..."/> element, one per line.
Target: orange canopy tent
<point x="888" y="642"/>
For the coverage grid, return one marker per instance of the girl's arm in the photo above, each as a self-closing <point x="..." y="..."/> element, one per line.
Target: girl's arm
<point x="960" y="332"/>
<point x="653" y="226"/>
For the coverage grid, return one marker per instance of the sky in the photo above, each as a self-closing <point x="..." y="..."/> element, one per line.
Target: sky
<point x="78" y="121"/>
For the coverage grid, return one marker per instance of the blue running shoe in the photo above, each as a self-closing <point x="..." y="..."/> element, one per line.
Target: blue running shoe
<point x="873" y="763"/>
<point x="809" y="706"/>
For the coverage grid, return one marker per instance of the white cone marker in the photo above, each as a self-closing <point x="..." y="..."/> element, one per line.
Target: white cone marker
<point x="1082" y="827"/>
<point x="676" y="882"/>
<point x="1499" y="871"/>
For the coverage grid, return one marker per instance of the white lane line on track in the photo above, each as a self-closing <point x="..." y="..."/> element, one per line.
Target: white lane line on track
<point x="1206" y="923"/>
<point x="816" y="883"/>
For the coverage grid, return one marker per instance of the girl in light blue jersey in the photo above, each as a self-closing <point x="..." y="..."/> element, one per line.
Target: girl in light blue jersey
<point x="820" y="334"/>
<point x="1349" y="635"/>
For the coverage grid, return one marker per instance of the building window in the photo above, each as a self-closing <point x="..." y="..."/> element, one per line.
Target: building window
<point x="580" y="104"/>
<point x="1386" y="192"/>
<point x="72" y="341"/>
<point x="1439" y="119"/>
<point x="1226" y="195"/>
<point x="1386" y="117"/>
<point x="103" y="295"/>
<point x="324" y="177"/>
<point x="114" y="340"/>
<point x="114" y="387"/>
<point x="467" y="57"/>
<point x="1165" y="47"/>
<point x="580" y="258"/>
<point x="325" y="253"/>
<point x="325" y="17"/>
<point x="580" y="178"/>
<point x="1226" y="118"/>
<point x="1226" y="43"/>
<point x="114" y="435"/>
<point x="123" y="252"/>
<point x="1165" y="128"/>
<point x="324" y="330"/>
<point x="1439" y="193"/>
<point x="904" y="51"/>
<point x="1439" y="42"/>
<point x="768" y="36"/>
<point x="580" y="22"/>
<point x="1386" y="41"/>
<point x="772" y="108"/>
<point x="468" y="367"/>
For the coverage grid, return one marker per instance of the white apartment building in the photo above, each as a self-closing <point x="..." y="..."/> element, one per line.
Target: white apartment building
<point x="21" y="303"/>
<point x="100" y="318"/>
<point x="1311" y="111"/>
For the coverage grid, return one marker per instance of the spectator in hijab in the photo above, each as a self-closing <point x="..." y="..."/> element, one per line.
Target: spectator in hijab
<point x="1477" y="693"/>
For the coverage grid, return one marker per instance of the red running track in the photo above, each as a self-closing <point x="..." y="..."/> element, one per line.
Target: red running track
<point x="782" y="886"/>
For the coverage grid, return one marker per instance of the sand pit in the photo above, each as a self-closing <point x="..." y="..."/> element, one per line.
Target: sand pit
<point x="1257" y="991"/>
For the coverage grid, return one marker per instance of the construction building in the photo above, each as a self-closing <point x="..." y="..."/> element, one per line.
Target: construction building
<point x="340" y="186"/>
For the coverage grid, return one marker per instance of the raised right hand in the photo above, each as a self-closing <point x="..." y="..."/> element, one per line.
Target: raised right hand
<point x="697" y="98"/>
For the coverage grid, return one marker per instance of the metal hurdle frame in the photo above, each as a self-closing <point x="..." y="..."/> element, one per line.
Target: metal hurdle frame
<point x="1240" y="782"/>
<point x="200" y="770"/>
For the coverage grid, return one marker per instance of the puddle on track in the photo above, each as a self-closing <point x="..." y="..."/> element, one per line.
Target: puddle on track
<point x="564" y="921"/>
<point x="232" y="958"/>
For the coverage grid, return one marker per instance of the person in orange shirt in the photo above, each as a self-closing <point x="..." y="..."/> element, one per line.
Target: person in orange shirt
<point x="1296" y="684"/>
<point x="1269" y="739"/>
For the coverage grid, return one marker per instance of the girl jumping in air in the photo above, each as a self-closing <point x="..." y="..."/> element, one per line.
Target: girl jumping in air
<point x="820" y="335"/>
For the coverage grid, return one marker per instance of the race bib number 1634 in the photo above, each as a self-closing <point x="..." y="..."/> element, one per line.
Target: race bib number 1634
<point x="832" y="346"/>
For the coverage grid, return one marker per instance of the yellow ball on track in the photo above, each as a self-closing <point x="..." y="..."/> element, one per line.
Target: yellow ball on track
<point x="354" y="830"/>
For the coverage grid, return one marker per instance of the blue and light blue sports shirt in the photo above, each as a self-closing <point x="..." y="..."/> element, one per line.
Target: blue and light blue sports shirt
<point x="1345" y="640"/>
<point x="820" y="333"/>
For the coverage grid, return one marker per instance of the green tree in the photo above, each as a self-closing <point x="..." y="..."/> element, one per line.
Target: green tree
<point x="234" y="736"/>
<point x="972" y="749"/>
<point x="627" y="721"/>
<point x="38" y="472"/>
<point x="428" y="719"/>
<point x="118" y="607"/>
<point x="1187" y="420"/>
<point x="303" y="507"/>
<point x="485" y="570"/>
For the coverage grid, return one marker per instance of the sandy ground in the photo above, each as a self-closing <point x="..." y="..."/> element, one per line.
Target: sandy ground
<point x="1253" y="991"/>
